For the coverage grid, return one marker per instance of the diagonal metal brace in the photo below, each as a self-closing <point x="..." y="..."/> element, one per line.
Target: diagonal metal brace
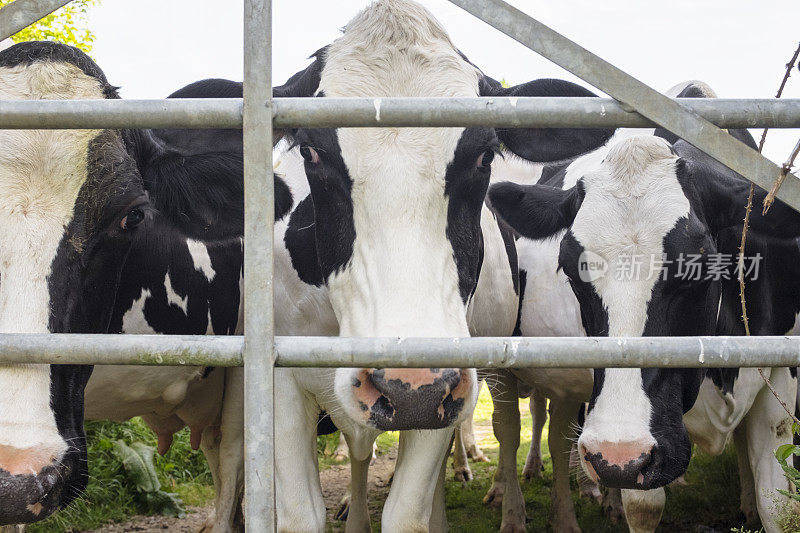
<point x="628" y="90"/>
<point x="20" y="14"/>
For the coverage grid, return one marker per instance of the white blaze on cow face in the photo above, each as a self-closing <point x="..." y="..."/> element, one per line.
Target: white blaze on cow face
<point x="402" y="278"/>
<point x="632" y="202"/>
<point x="41" y="173"/>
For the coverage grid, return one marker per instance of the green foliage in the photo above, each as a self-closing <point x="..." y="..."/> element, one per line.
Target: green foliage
<point x="112" y="495"/>
<point x="782" y="454"/>
<point x="138" y="462"/>
<point x="65" y="25"/>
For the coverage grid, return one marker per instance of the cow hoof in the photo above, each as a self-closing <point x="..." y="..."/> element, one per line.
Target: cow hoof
<point x="494" y="498"/>
<point x="462" y="473"/>
<point x="341" y="457"/>
<point x="568" y="527"/>
<point x="513" y="528"/>
<point x="532" y="470"/>
<point x="477" y="455"/>
<point x="344" y="510"/>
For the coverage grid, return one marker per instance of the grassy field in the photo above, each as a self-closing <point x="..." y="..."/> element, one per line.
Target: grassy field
<point x="709" y="503"/>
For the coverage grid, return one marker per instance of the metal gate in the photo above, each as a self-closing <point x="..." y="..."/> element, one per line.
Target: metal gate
<point x="633" y="105"/>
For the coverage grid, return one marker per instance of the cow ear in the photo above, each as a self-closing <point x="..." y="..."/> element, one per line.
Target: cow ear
<point x="535" y="211"/>
<point x="303" y="84"/>
<point x="546" y="144"/>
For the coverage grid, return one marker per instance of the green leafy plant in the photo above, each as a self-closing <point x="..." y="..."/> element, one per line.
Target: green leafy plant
<point x="138" y="462"/>
<point x="66" y="25"/>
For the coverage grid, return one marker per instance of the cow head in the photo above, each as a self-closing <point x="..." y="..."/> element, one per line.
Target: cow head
<point x="71" y="202"/>
<point x="640" y="250"/>
<point x="397" y="210"/>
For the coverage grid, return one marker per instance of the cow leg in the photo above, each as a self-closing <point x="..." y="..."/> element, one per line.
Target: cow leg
<point x="505" y="422"/>
<point x="612" y="503"/>
<point x="410" y="504"/>
<point x="438" y="523"/>
<point x="357" y="510"/>
<point x="768" y="426"/>
<point x="468" y="435"/>
<point x="643" y="508"/>
<point x="747" y="498"/>
<point x="297" y="489"/>
<point x="533" y="464"/>
<point x="341" y="453"/>
<point x="563" y="416"/>
<point x="227" y="507"/>
<point x="461" y="469"/>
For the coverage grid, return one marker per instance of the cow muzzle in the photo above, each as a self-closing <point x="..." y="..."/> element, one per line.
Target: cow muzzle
<point x="403" y="399"/>
<point x="618" y="464"/>
<point x="31" y="484"/>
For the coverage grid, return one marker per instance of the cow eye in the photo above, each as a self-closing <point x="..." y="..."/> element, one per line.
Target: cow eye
<point x="309" y="154"/>
<point x="132" y="219"/>
<point x="485" y="159"/>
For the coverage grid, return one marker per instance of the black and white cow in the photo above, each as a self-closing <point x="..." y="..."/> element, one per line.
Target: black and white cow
<point x="168" y="204"/>
<point x="387" y="238"/>
<point x="71" y="201"/>
<point x="176" y="282"/>
<point x="661" y="200"/>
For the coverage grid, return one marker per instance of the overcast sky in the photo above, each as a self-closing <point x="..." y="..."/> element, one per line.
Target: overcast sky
<point x="739" y="47"/>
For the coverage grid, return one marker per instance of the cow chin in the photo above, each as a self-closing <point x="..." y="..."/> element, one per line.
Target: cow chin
<point x="392" y="399"/>
<point x="30" y="497"/>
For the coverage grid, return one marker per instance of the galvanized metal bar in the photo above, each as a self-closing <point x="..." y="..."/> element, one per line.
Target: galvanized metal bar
<point x="475" y="352"/>
<point x="259" y="351"/>
<point x="396" y="112"/>
<point x="541" y="352"/>
<point x="74" y="349"/>
<point x="519" y="112"/>
<point x="20" y="14"/>
<point x="120" y="114"/>
<point x="628" y="90"/>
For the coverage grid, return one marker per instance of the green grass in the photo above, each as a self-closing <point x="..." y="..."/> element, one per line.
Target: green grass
<point x="110" y="497"/>
<point x="710" y="499"/>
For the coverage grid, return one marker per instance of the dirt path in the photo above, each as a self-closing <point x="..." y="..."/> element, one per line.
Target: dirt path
<point x="195" y="517"/>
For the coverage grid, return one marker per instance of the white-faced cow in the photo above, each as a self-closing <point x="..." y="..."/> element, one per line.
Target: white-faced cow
<point x="169" y="205"/>
<point x="654" y="204"/>
<point x="71" y="200"/>
<point x="388" y="238"/>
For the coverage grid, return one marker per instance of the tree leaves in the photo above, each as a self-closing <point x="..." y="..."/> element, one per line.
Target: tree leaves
<point x="65" y="25"/>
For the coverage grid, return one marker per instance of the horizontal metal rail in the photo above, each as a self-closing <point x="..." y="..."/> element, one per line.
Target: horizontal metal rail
<point x="20" y="14"/>
<point x="383" y="112"/>
<point x="474" y="352"/>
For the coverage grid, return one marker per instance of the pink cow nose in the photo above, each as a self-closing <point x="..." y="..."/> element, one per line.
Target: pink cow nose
<point x="618" y="464"/>
<point x="401" y="399"/>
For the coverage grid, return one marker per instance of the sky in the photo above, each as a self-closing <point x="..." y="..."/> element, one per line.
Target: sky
<point x="738" y="47"/>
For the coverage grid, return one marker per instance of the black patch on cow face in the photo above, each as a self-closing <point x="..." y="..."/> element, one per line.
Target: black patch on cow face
<point x="465" y="188"/>
<point x="331" y="188"/>
<point x="159" y="249"/>
<point x="593" y="313"/>
<point x="509" y="241"/>
<point x="300" y="240"/>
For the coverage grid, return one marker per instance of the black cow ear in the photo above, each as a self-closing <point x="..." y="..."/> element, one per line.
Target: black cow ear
<point x="546" y="144"/>
<point x="303" y="84"/>
<point x="535" y="211"/>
